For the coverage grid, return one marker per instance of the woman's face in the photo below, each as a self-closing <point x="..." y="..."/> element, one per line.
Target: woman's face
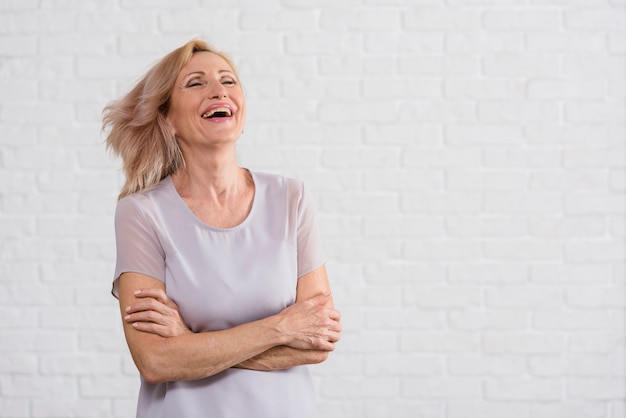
<point x="207" y="106"/>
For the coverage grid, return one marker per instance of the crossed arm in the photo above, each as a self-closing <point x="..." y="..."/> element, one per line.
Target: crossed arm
<point x="164" y="349"/>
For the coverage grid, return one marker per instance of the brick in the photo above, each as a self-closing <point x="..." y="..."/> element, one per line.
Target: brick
<point x="18" y="45"/>
<point x="519" y="64"/>
<point x="324" y="43"/>
<point x="592" y="64"/>
<point x="401" y="88"/>
<point x="516" y="389"/>
<point x="617" y="45"/>
<point x="521" y="20"/>
<point x="369" y="296"/>
<point x="10" y="317"/>
<point x="523" y="203"/>
<point x="596" y="388"/>
<point x="357" y="20"/>
<point x="571" y="273"/>
<point x="407" y="272"/>
<point x="498" y="181"/>
<point x="519" y="157"/>
<point x="438" y="342"/>
<point x="439" y="202"/>
<point x="595" y="251"/>
<point x="559" y="42"/>
<point x="585" y="175"/>
<point x="476" y="319"/>
<point x="18" y="363"/>
<point x="431" y="65"/>
<point x="499" y="112"/>
<point x="598" y="342"/>
<point x="54" y="408"/>
<point x="441" y="18"/>
<point x="278" y="20"/>
<point x="407" y="133"/>
<point x="488" y="273"/>
<point x="376" y="387"/>
<point x="405" y="180"/>
<point x="566" y="89"/>
<point x="522" y="343"/>
<point x="594" y="19"/>
<point x="573" y="409"/>
<point x="479" y="41"/>
<point x="436" y="112"/>
<point x="523" y="297"/>
<point x="567" y="226"/>
<point x="101" y="386"/>
<point x="482" y="408"/>
<point x="481" y="365"/>
<point x="79" y="364"/>
<point x="372" y="158"/>
<point x="442" y="388"/>
<point x="494" y="134"/>
<point x="442" y="250"/>
<point x="403" y="226"/>
<point x="523" y="250"/>
<point x="468" y="88"/>
<point x="443" y="297"/>
<point x="405" y="408"/>
<point x="594" y="112"/>
<point x="601" y="297"/>
<point x="403" y="42"/>
<point x="15" y="408"/>
<point x="38" y="386"/>
<point x="401" y="365"/>
<point x="574" y="320"/>
<point x="404" y="319"/>
<point x="441" y="158"/>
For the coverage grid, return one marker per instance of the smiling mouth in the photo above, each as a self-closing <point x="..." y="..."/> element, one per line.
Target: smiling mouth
<point x="218" y="112"/>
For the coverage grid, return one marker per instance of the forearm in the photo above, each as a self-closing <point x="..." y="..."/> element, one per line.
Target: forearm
<point x="196" y="356"/>
<point x="283" y="357"/>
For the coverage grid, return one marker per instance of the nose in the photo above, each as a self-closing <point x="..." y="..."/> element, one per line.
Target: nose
<point x="217" y="91"/>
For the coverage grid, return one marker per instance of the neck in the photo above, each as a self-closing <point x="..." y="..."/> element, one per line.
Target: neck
<point x="215" y="174"/>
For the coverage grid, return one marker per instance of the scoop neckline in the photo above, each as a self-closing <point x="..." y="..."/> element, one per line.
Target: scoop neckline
<point x="198" y="221"/>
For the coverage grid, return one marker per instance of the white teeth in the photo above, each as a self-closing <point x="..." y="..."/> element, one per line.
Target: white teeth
<point x="223" y="112"/>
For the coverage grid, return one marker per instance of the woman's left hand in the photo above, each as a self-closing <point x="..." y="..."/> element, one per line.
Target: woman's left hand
<point x="154" y="312"/>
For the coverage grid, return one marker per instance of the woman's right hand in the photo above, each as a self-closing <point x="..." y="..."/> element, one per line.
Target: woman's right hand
<point x="310" y="325"/>
<point x="156" y="313"/>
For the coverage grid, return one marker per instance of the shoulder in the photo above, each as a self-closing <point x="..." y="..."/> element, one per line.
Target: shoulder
<point x="145" y="201"/>
<point x="293" y="187"/>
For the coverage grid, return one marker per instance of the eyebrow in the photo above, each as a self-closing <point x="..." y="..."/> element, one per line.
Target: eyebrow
<point x="203" y="73"/>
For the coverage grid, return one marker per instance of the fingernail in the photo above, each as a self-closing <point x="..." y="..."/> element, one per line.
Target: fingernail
<point x="137" y="292"/>
<point x="127" y="308"/>
<point x="127" y="317"/>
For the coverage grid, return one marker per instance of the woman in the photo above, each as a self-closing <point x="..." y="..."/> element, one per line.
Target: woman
<point x="219" y="274"/>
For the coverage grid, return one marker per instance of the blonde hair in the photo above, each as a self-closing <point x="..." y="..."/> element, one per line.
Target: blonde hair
<point x="138" y="129"/>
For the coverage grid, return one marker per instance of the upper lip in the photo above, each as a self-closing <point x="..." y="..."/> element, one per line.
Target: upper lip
<point x="217" y="107"/>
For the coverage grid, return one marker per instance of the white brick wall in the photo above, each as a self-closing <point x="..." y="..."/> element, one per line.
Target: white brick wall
<point x="468" y="159"/>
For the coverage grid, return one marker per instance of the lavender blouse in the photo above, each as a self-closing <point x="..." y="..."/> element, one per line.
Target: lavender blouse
<point x="221" y="278"/>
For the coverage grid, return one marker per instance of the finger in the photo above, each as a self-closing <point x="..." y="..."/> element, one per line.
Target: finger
<point x="146" y="316"/>
<point x="320" y="299"/>
<point x="333" y="337"/>
<point x="149" y="304"/>
<point x="334" y="314"/>
<point x="158" y="294"/>
<point x="153" y="328"/>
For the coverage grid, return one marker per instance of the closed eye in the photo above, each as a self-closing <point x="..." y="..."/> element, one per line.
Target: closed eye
<point x="194" y="83"/>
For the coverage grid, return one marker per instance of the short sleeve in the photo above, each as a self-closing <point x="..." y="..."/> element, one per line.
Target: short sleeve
<point x="310" y="252"/>
<point x="138" y="247"/>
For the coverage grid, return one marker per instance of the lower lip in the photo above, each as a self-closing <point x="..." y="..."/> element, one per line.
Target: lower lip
<point x="218" y="120"/>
